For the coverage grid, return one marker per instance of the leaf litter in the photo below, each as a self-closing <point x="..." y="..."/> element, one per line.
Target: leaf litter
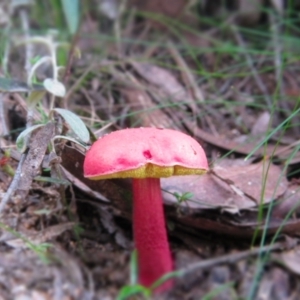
<point x="222" y="224"/>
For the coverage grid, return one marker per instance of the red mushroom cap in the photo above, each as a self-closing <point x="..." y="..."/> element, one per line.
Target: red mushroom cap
<point x="144" y="152"/>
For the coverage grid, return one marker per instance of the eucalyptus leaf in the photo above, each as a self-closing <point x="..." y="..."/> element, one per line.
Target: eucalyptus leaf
<point x="35" y="97"/>
<point x="75" y="124"/>
<point x="68" y="138"/>
<point x="72" y="14"/>
<point x="21" y="140"/>
<point x="52" y="180"/>
<point x="37" y="64"/>
<point x="54" y="87"/>
<point x="8" y="85"/>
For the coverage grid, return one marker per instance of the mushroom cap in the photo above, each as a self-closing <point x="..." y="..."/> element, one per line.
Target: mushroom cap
<point x="144" y="153"/>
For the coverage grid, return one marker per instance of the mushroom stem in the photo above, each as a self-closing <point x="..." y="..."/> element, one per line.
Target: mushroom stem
<point x="150" y="234"/>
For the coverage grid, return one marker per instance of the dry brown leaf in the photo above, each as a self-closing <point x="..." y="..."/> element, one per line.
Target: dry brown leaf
<point x="78" y="183"/>
<point x="282" y="152"/>
<point x="147" y="113"/>
<point x="163" y="7"/>
<point x="230" y="186"/>
<point x="38" y="237"/>
<point x="37" y="148"/>
<point x="164" y="80"/>
<point x="262" y="180"/>
<point x="291" y="260"/>
<point x="289" y="202"/>
<point x="4" y="122"/>
<point x="279" y="5"/>
<point x="249" y="11"/>
<point x="275" y="285"/>
<point x="261" y="125"/>
<point x="109" y="190"/>
<point x="209" y="192"/>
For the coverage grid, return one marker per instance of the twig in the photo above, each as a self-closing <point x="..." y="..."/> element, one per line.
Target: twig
<point x="275" y="29"/>
<point x="117" y="25"/>
<point x="190" y="83"/>
<point x="13" y="185"/>
<point x="7" y="46"/>
<point x="225" y="259"/>
<point x="188" y="76"/>
<point x="29" y="120"/>
<point x="249" y="60"/>
<point x="29" y="46"/>
<point x="71" y="57"/>
<point x="277" y="44"/>
<point x="28" y="55"/>
<point x="229" y="258"/>
<point x="4" y="131"/>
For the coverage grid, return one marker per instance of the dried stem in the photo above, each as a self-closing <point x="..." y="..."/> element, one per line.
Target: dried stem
<point x="249" y="60"/>
<point x="29" y="121"/>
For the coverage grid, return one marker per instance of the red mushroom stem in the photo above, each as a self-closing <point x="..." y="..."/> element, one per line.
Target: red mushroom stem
<point x="150" y="234"/>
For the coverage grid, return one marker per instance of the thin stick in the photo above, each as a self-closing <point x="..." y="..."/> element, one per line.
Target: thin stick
<point x="29" y="120"/>
<point x="249" y="60"/>
<point x="229" y="259"/>
<point x="225" y="259"/>
<point x="4" y="131"/>
<point x="13" y="185"/>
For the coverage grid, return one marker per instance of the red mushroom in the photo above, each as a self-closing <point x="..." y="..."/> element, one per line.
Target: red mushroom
<point x="146" y="154"/>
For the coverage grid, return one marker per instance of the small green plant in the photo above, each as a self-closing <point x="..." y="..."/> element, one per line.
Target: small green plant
<point x="41" y="249"/>
<point x="133" y="288"/>
<point x="79" y="133"/>
<point x="4" y="164"/>
<point x="218" y="290"/>
<point x="184" y="197"/>
<point x="60" y="123"/>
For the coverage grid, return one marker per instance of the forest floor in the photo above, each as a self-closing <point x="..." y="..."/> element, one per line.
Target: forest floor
<point x="225" y="75"/>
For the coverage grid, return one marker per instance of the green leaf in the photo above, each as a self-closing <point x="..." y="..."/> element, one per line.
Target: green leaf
<point x="35" y="97"/>
<point x="8" y="85"/>
<point x="134" y="268"/>
<point x="69" y="138"/>
<point x="52" y="180"/>
<point x="75" y="124"/>
<point x="37" y="64"/>
<point x="130" y="290"/>
<point x="54" y="87"/>
<point x="72" y="12"/>
<point x="21" y="140"/>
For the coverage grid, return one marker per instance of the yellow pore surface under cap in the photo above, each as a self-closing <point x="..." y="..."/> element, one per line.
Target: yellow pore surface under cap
<point x="151" y="171"/>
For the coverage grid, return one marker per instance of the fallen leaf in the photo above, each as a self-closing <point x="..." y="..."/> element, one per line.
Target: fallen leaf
<point x="115" y="190"/>
<point x="38" y="237"/>
<point x="289" y="203"/>
<point x="291" y="260"/>
<point x="164" y="80"/>
<point x="231" y="186"/>
<point x="161" y="7"/>
<point x="249" y="12"/>
<point x="145" y="110"/>
<point x="208" y="192"/>
<point x="37" y="148"/>
<point x="261" y="126"/>
<point x="274" y="285"/>
<point x="262" y="182"/>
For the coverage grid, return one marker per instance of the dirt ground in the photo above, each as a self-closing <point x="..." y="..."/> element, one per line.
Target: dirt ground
<point x="224" y="72"/>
